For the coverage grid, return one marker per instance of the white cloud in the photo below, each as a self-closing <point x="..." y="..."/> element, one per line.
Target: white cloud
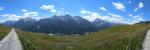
<point x="141" y="13"/>
<point x="141" y="5"/>
<point x="130" y="15"/>
<point x="103" y="8"/>
<point x="34" y="15"/>
<point x="17" y="17"/>
<point x="37" y="18"/>
<point x="1" y="8"/>
<point x="83" y="11"/>
<point x="61" y="11"/>
<point x="136" y="19"/>
<point x="111" y="17"/>
<point x="4" y="15"/>
<point x="66" y="12"/>
<point x="129" y="1"/>
<point x="30" y="14"/>
<point x="119" y="6"/>
<point x="11" y="17"/>
<point x="92" y="16"/>
<point x="136" y="9"/>
<point x="24" y="10"/>
<point x="49" y="8"/>
<point x="115" y="16"/>
<point x="14" y="17"/>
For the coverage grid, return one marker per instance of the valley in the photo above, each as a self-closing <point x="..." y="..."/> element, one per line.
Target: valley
<point x="127" y="37"/>
<point x="64" y="24"/>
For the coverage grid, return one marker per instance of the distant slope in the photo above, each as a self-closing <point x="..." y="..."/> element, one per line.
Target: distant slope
<point x="102" y="24"/>
<point x="3" y="31"/>
<point x="63" y="24"/>
<point x="24" y="23"/>
<point x="9" y="23"/>
<point x="128" y="37"/>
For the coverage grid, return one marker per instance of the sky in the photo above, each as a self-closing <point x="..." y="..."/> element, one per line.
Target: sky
<point x="119" y="11"/>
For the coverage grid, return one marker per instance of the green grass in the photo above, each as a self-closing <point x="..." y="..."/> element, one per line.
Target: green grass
<point x="3" y="31"/>
<point x="129" y="37"/>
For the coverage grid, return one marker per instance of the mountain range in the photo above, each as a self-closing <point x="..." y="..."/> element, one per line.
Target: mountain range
<point x="64" y="24"/>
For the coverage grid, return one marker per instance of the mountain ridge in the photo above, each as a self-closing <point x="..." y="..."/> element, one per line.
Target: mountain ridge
<point x="63" y="24"/>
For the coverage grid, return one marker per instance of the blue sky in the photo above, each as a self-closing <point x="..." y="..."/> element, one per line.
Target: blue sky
<point x="120" y="11"/>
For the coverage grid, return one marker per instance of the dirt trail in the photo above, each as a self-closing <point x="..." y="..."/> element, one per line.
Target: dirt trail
<point x="11" y="42"/>
<point x="146" y="44"/>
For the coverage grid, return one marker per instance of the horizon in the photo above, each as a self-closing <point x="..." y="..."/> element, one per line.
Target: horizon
<point x="130" y="11"/>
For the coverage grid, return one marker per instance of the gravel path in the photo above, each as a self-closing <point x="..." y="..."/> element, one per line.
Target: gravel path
<point x="11" y="42"/>
<point x="146" y="44"/>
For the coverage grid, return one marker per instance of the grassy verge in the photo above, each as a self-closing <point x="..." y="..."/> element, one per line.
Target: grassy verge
<point x="115" y="38"/>
<point x="3" y="31"/>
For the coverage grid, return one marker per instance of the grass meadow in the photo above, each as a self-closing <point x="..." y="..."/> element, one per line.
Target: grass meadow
<point x="127" y="37"/>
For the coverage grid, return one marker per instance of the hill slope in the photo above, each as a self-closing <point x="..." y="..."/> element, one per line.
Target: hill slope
<point x="128" y="37"/>
<point x="63" y="24"/>
<point x="3" y="31"/>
